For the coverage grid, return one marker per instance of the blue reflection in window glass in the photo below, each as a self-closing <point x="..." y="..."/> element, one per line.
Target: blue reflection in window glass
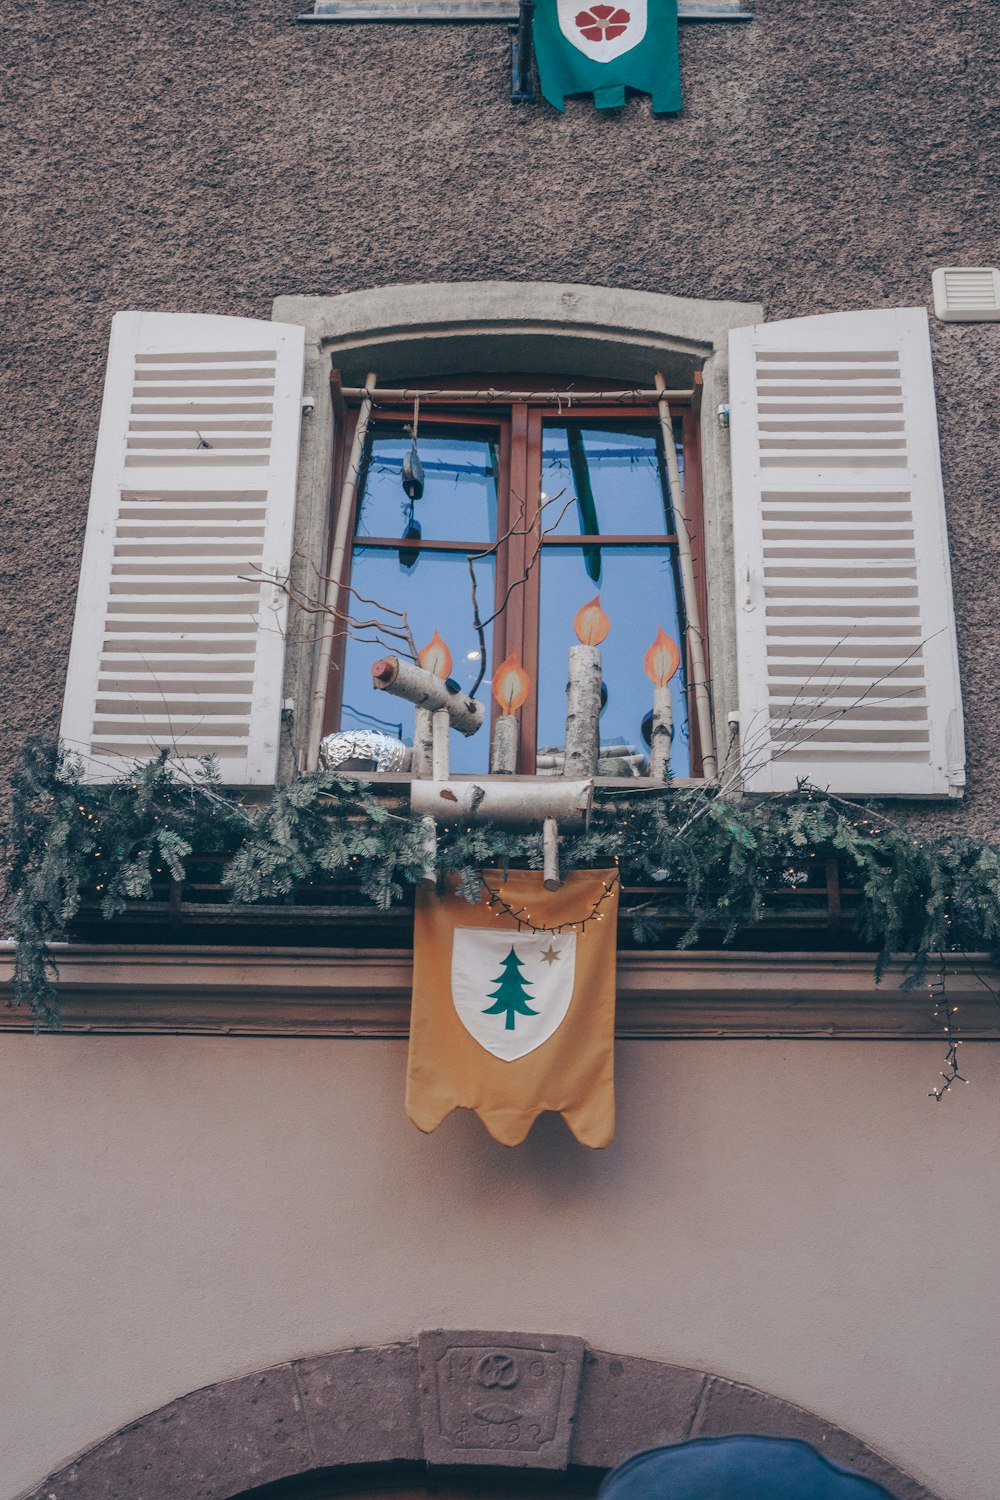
<point x="638" y="594"/>
<point x="614" y="473"/>
<point x="459" y="502"/>
<point x="436" y="595"/>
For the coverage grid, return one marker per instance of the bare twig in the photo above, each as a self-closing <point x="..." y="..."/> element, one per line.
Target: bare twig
<point x="309" y="605"/>
<point x="481" y="625"/>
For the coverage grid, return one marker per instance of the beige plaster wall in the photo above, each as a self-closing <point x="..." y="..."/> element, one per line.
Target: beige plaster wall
<point x="797" y="1215"/>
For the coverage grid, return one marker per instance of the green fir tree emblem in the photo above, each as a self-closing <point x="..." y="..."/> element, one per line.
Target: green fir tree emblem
<point x="511" y="994"/>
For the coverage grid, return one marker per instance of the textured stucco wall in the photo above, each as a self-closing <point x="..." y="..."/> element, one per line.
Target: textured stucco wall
<point x="794" y="1215"/>
<point x="209" y="155"/>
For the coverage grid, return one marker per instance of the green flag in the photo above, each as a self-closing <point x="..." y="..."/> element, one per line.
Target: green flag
<point x="602" y="48"/>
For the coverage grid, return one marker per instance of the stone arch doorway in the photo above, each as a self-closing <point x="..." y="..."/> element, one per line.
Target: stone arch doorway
<point x="411" y="1422"/>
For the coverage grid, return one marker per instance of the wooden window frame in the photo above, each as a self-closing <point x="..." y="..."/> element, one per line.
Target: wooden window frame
<point x="520" y="426"/>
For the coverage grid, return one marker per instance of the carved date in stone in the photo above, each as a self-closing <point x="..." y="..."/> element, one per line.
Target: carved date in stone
<point x="493" y="1399"/>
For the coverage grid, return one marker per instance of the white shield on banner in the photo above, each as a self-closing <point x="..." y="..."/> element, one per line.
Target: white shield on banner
<point x="512" y="989"/>
<point x="602" y="31"/>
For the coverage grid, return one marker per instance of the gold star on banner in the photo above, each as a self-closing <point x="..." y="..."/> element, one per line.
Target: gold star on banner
<point x="549" y="955"/>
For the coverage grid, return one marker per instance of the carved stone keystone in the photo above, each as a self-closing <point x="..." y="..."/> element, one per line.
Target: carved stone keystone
<point x="498" y="1398"/>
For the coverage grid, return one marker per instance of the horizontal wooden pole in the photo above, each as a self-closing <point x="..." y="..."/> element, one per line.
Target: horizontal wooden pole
<point x="365" y="992"/>
<point x="590" y="539"/>
<point x="487" y="396"/>
<point x="508" y="801"/>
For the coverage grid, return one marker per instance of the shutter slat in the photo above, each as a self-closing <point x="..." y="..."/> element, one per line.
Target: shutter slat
<point x="178" y="640"/>
<point x="846" y="645"/>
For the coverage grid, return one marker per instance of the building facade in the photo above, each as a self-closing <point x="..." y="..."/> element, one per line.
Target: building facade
<point x="227" y="1250"/>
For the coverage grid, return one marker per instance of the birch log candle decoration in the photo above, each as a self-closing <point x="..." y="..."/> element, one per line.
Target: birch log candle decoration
<point x="423" y="721"/>
<point x="661" y="662"/>
<point x="440" y="748"/>
<point x="583" y="691"/>
<point x="511" y="685"/>
<point x="403" y="679"/>
<point x="550" y="855"/>
<point x="435" y="657"/>
<point x="429" y="849"/>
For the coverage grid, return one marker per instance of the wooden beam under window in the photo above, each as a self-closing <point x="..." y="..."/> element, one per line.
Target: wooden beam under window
<point x="274" y="991"/>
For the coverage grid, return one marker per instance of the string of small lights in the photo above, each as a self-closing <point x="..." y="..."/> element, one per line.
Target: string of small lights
<point x="520" y="915"/>
<point x="944" y="1012"/>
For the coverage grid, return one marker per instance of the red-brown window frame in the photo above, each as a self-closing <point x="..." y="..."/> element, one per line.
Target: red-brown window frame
<point x="520" y="428"/>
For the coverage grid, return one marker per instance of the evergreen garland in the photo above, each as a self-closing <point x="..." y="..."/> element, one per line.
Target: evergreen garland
<point x="68" y="837"/>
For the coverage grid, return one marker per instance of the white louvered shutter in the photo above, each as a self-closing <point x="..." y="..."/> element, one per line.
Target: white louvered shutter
<point x="848" y="672"/>
<point x="174" y="643"/>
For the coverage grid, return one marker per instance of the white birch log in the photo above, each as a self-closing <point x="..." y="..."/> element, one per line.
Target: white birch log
<point x="695" y="638"/>
<point x="420" y="764"/>
<point x="663" y="733"/>
<point x="550" y="855"/>
<point x="511" y="803"/>
<point x="503" y="757"/>
<point x="404" y="680"/>
<point x="440" y="748"/>
<point x="583" y="707"/>
<point x="429" y="845"/>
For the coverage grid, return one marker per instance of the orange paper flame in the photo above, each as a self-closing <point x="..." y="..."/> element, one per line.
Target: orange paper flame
<point x="435" y="657"/>
<point x="511" y="684"/>
<point x="662" y="659"/>
<point x="591" y="623"/>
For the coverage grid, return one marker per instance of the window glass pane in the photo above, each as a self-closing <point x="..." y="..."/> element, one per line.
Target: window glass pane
<point x="459" y="502"/>
<point x="436" y="595"/>
<point x="638" y="593"/>
<point x="613" y="474"/>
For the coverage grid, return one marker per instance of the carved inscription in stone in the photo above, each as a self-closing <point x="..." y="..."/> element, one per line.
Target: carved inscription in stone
<point x="498" y="1398"/>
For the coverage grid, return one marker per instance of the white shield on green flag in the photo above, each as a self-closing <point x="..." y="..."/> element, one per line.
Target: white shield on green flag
<point x="602" y="32"/>
<point x="512" y="990"/>
<point x="604" y="48"/>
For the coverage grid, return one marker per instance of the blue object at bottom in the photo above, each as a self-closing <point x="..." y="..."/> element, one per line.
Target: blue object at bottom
<point x="737" y="1468"/>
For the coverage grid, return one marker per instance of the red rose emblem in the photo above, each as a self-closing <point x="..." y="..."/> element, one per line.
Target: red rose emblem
<point x="602" y="22"/>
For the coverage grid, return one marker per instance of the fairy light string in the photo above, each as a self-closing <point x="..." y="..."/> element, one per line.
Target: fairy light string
<point x="521" y="916"/>
<point x="944" y="1013"/>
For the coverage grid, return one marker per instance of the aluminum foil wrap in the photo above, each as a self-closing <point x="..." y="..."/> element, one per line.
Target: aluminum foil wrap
<point x="363" y="750"/>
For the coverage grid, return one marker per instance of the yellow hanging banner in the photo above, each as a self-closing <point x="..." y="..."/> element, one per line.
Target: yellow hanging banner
<point x="514" y="1005"/>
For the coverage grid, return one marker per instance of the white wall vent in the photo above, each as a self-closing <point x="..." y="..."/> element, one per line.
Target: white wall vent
<point x="967" y="294"/>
